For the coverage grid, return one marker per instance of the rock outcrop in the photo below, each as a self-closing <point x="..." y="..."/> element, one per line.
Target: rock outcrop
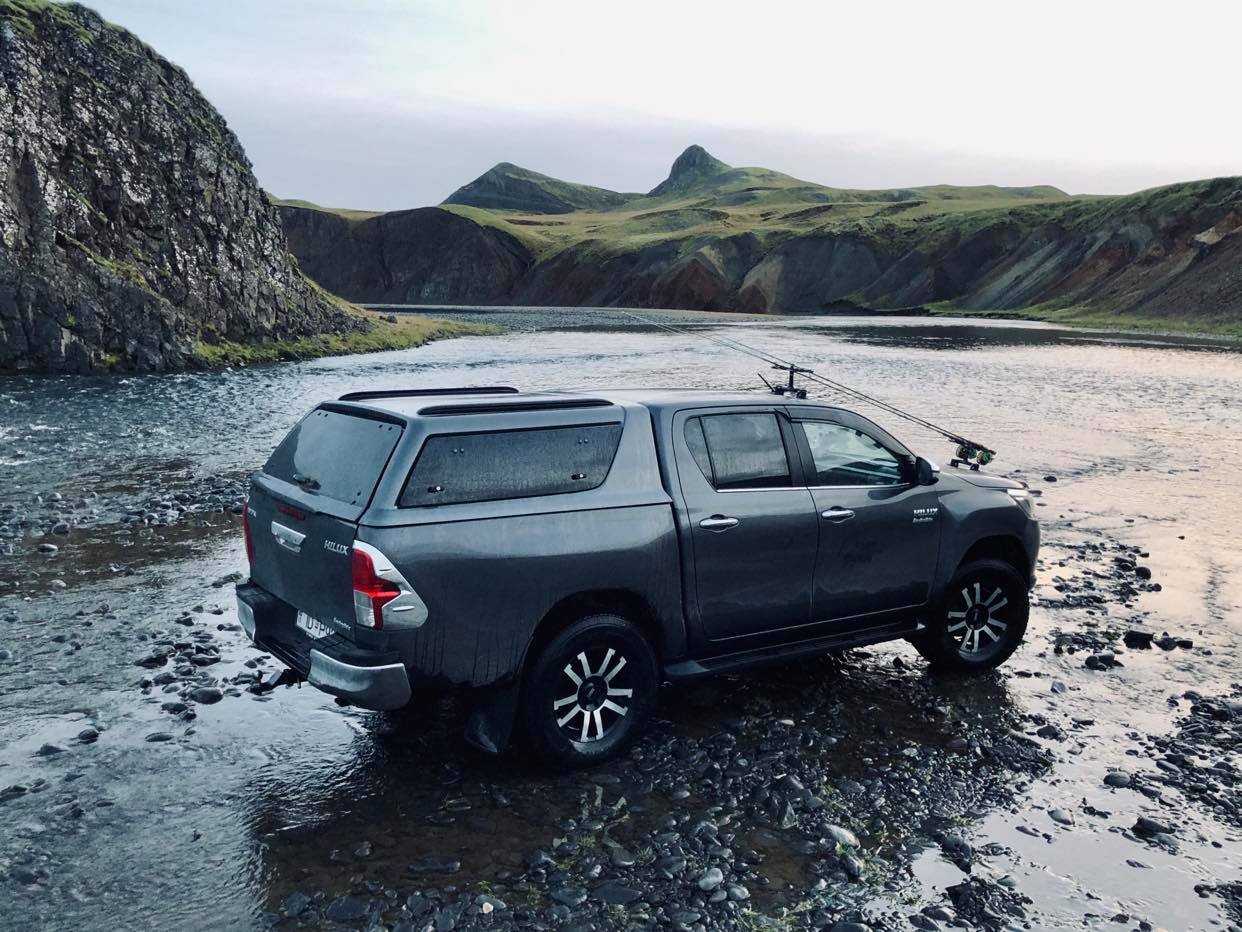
<point x="131" y="224"/>
<point x="690" y="170"/>
<point x="423" y="256"/>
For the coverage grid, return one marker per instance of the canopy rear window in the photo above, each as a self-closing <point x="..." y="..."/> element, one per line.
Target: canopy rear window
<point x="340" y="456"/>
<point x="481" y="467"/>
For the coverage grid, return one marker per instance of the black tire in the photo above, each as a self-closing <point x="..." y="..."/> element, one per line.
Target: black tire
<point x="615" y="669"/>
<point x="981" y="621"/>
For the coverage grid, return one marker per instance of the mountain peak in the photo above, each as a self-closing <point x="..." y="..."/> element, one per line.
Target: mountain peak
<point x="691" y="167"/>
<point x="506" y="186"/>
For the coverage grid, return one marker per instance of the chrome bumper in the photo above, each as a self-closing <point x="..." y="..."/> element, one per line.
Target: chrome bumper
<point x="379" y="688"/>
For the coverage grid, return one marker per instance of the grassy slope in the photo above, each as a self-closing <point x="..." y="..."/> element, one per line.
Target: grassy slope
<point x="580" y="196"/>
<point x="408" y="331"/>
<point x="311" y="205"/>
<point x="1094" y="319"/>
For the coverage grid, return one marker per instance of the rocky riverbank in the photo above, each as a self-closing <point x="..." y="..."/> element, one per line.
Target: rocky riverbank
<point x="157" y="771"/>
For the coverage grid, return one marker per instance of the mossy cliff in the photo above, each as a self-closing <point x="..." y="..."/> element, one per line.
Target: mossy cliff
<point x="132" y="230"/>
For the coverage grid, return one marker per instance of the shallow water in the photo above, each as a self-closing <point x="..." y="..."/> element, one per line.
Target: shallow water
<point x="246" y="803"/>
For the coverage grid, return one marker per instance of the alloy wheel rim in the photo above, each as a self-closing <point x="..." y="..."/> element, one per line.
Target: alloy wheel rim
<point x="975" y="622"/>
<point x="595" y="695"/>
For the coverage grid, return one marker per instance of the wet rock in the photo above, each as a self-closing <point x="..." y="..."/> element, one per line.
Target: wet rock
<point x="1138" y="639"/>
<point x="615" y="893"/>
<point x="840" y="836"/>
<point x="48" y="548"/>
<point x="854" y="866"/>
<point x="51" y="750"/>
<point x="569" y="896"/>
<point x="1104" y="660"/>
<point x="1142" y="572"/>
<point x="296" y="904"/>
<point x="671" y="865"/>
<point x="1061" y="816"/>
<point x="434" y="864"/>
<point x="710" y="879"/>
<point x="158" y="737"/>
<point x="207" y="694"/>
<point x="346" y="908"/>
<point x="60" y="528"/>
<point x="620" y="857"/>
<point x="1148" y="827"/>
<point x="489" y="904"/>
<point x="1118" y="779"/>
<point x="88" y="735"/>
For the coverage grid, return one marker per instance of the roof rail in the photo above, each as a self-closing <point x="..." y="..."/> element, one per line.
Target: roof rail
<point x="416" y="392"/>
<point x="497" y="408"/>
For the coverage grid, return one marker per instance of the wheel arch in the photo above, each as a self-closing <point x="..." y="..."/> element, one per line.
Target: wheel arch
<point x="1004" y="547"/>
<point x="626" y="603"/>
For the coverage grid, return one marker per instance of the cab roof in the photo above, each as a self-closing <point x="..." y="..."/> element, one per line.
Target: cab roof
<point x="408" y="403"/>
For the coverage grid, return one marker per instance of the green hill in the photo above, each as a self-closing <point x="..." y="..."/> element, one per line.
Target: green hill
<point x="511" y="187"/>
<point x="715" y="237"/>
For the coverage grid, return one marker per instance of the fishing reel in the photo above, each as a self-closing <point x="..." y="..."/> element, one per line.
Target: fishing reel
<point x="972" y="456"/>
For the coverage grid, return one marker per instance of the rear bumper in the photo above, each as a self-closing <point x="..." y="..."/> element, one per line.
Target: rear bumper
<point x="334" y="664"/>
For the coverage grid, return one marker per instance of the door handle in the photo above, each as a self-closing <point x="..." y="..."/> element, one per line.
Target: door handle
<point x="718" y="523"/>
<point x="287" y="537"/>
<point x="837" y="514"/>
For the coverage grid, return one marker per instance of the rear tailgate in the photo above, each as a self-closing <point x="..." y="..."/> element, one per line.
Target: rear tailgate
<point x="305" y="505"/>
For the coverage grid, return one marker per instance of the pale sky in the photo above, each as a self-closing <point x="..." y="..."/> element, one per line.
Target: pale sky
<point x="385" y="104"/>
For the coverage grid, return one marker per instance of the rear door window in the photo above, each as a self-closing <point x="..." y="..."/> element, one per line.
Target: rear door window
<point x="745" y="451"/>
<point x="481" y="467"/>
<point x="340" y="456"/>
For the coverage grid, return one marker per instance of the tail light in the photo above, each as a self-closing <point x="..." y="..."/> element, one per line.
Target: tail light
<point x="371" y="591"/>
<point x="246" y="530"/>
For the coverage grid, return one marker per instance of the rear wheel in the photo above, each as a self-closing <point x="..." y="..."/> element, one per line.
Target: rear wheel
<point x="981" y="620"/>
<point x="588" y="691"/>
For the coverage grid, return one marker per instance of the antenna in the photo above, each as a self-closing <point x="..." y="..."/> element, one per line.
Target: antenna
<point x="969" y="452"/>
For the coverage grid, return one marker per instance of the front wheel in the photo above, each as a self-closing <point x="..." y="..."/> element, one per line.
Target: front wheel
<point x="981" y="620"/>
<point x="588" y="691"/>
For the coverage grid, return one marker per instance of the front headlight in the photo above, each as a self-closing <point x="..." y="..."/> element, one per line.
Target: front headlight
<point x="1022" y="498"/>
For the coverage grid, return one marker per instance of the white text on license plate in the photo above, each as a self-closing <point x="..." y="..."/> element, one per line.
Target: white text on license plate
<point x="315" y="628"/>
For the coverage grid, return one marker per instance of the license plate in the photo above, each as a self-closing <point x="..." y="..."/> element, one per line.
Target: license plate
<point x="312" y="626"/>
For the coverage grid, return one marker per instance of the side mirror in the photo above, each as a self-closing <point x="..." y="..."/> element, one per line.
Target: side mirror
<point x="926" y="472"/>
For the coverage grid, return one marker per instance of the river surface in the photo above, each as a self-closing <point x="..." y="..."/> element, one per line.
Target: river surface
<point x="215" y="818"/>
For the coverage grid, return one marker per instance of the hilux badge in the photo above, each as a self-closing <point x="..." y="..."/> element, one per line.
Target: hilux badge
<point x="924" y="515"/>
<point x="335" y="547"/>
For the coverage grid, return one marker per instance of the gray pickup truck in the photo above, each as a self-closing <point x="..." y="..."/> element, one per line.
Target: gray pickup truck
<point x="562" y="555"/>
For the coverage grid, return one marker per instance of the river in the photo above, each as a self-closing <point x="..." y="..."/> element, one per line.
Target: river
<point x="125" y="805"/>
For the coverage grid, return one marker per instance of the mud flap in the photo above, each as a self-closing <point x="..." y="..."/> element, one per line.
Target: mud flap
<point x="490" y="725"/>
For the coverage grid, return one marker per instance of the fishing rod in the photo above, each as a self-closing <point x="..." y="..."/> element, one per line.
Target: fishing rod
<point x="969" y="452"/>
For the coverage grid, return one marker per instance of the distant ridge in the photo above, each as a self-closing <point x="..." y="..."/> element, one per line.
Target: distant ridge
<point x="510" y="187"/>
<point x="715" y="237"/>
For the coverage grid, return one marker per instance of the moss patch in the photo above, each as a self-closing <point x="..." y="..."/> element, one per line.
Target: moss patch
<point x="409" y="331"/>
<point x="24" y="14"/>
